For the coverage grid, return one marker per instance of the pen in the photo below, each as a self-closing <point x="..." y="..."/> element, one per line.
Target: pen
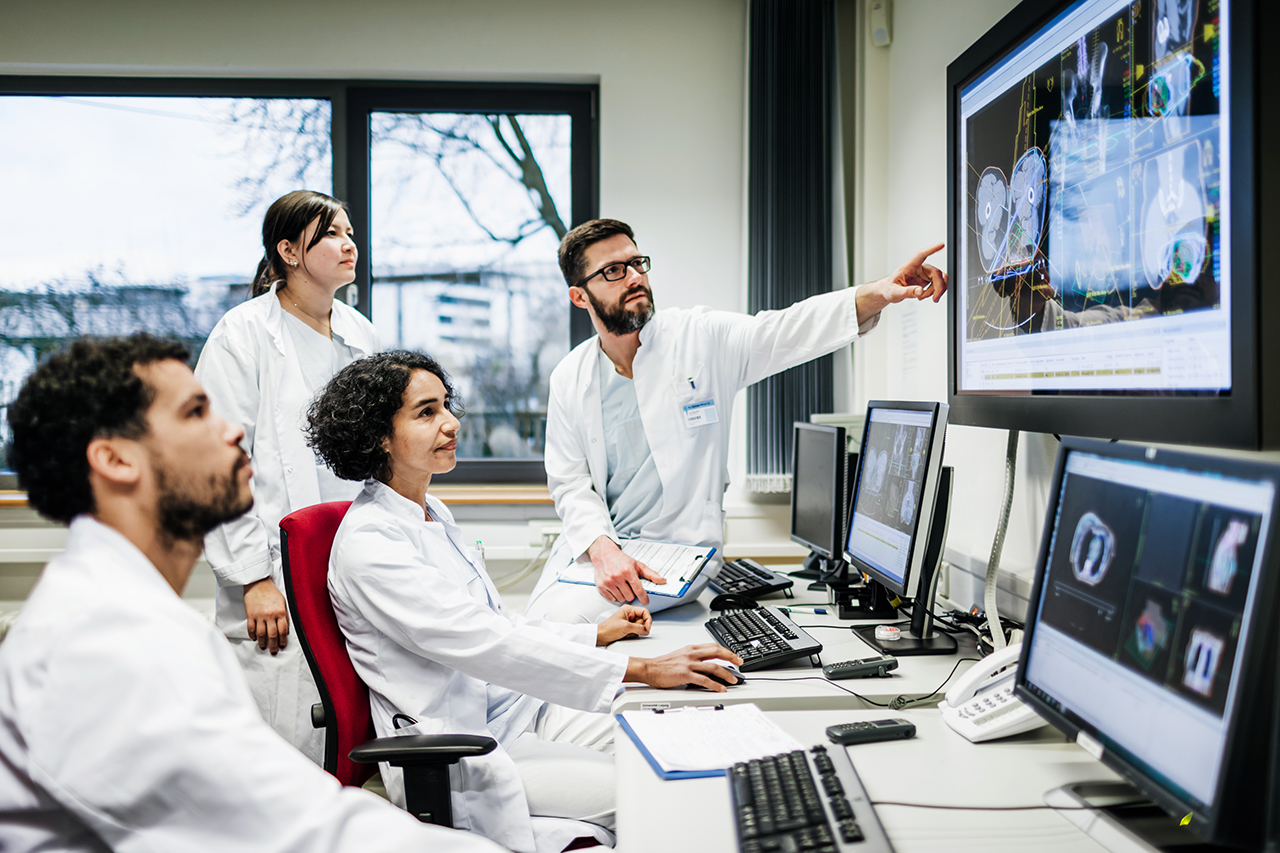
<point x="691" y="385"/>
<point x="480" y="548"/>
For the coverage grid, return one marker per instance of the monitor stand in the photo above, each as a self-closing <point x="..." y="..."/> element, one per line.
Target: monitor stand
<point x="919" y="637"/>
<point x="1118" y="817"/>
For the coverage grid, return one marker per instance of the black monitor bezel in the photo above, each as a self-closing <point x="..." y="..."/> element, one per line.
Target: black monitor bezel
<point x="926" y="506"/>
<point x="840" y="465"/>
<point x="1208" y="823"/>
<point x="1232" y="420"/>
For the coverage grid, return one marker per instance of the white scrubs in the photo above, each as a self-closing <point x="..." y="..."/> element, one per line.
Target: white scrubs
<point x="257" y="375"/>
<point x="427" y="632"/>
<point x="125" y="724"/>
<point x="690" y="365"/>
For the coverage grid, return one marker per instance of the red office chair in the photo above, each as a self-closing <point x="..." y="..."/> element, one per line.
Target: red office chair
<point x="351" y="752"/>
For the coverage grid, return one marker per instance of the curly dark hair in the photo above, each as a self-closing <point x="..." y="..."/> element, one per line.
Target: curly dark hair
<point x="347" y="422"/>
<point x="89" y="390"/>
<point x="573" y="248"/>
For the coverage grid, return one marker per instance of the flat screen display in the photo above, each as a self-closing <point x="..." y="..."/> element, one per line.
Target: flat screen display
<point x="1143" y="612"/>
<point x="817" y="499"/>
<point x="1093" y="184"/>
<point x="891" y="479"/>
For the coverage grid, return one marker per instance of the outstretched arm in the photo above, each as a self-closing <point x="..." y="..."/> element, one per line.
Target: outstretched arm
<point x="913" y="280"/>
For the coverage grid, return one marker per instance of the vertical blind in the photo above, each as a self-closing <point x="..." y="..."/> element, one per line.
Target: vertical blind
<point x="790" y="190"/>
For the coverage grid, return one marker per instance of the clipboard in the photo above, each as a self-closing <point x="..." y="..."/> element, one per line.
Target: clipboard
<point x="653" y="762"/>
<point x="695" y="742"/>
<point x="679" y="564"/>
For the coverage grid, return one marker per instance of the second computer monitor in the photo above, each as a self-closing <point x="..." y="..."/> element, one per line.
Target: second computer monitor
<point x="818" y="489"/>
<point x="891" y="512"/>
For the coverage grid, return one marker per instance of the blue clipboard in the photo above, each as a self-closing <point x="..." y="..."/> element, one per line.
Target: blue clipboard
<point x="688" y="582"/>
<point x="653" y="762"/>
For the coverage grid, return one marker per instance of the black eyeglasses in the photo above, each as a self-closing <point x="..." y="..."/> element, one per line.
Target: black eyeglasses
<point x="618" y="271"/>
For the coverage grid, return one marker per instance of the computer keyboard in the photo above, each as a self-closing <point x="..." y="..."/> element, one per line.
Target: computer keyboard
<point x="810" y="802"/>
<point x="747" y="577"/>
<point x="762" y="638"/>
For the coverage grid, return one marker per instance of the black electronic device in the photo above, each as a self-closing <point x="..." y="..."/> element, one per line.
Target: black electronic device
<point x="763" y="637"/>
<point x="1106" y="165"/>
<point x="732" y="601"/>
<point x="744" y="576"/>
<point x="877" y="667"/>
<point x="898" y="517"/>
<point x="819" y="499"/>
<point x="1151" y="631"/>
<point x="802" y="800"/>
<point x="871" y="731"/>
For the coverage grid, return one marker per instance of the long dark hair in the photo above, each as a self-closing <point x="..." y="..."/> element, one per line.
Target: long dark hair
<point x="287" y="219"/>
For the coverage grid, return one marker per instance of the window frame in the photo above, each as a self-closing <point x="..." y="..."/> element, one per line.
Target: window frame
<point x="351" y="101"/>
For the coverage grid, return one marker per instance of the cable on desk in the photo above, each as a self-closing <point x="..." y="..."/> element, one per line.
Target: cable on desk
<point x="895" y="704"/>
<point x="983" y="808"/>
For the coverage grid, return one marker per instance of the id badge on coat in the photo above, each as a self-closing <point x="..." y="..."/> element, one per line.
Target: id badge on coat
<point x="701" y="413"/>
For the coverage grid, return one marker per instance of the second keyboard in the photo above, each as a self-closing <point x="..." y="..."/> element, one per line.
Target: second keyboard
<point x="762" y="638"/>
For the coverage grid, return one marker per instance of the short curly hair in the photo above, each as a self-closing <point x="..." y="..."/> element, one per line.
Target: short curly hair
<point x="90" y="390"/>
<point x="349" y="419"/>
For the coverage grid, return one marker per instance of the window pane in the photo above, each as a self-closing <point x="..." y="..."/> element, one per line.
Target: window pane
<point x="467" y="213"/>
<point x="139" y="213"/>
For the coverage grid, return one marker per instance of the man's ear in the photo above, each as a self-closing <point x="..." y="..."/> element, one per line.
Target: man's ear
<point x="116" y="460"/>
<point x="578" y="297"/>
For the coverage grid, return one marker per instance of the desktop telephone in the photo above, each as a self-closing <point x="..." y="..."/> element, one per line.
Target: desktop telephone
<point x="981" y="706"/>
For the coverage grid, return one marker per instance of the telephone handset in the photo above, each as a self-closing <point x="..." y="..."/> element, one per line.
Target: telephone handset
<point x="981" y="706"/>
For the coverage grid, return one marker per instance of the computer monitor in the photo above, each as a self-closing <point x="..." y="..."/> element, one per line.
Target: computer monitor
<point x="898" y="516"/>
<point x="1104" y="172"/>
<point x="1151" y="629"/>
<point x="819" y="497"/>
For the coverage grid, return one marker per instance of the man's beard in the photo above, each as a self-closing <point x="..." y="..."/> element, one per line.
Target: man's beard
<point x="617" y="319"/>
<point x="187" y="514"/>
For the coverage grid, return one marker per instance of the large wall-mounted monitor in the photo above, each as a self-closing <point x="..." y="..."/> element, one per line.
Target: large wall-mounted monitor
<point x="1151" y="627"/>
<point x="1103" y="172"/>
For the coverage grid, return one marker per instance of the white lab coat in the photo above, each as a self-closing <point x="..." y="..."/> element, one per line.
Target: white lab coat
<point x="125" y="724"/>
<point x="686" y="356"/>
<point x="250" y="369"/>
<point x="427" y="632"/>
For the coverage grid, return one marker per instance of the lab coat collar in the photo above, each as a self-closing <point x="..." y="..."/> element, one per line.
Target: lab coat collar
<point x="402" y="506"/>
<point x="88" y="535"/>
<point x="341" y="323"/>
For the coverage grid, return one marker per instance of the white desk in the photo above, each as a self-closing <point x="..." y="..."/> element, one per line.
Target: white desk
<point x="938" y="766"/>
<point x="916" y="676"/>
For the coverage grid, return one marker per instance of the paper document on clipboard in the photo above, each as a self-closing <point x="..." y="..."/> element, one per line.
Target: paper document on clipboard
<point x="679" y="564"/>
<point x="687" y="743"/>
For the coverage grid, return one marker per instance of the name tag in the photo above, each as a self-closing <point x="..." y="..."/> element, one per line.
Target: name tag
<point x="700" y="414"/>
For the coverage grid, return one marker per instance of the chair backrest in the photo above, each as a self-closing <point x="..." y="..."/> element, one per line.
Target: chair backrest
<point x="306" y="538"/>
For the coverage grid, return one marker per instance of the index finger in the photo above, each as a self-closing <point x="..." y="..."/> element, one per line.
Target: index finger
<point x="648" y="573"/>
<point x="920" y="256"/>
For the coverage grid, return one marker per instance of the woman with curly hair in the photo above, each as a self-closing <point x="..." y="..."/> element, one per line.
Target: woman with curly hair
<point x="427" y="632"/>
<point x="262" y="364"/>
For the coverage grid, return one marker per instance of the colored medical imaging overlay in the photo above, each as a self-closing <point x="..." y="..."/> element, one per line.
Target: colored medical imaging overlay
<point x="893" y="474"/>
<point x="1226" y="542"/>
<point x="1093" y="184"/>
<point x="1098" y="523"/>
<point x="1204" y="654"/>
<point x="1166" y="541"/>
<point x="1148" y="631"/>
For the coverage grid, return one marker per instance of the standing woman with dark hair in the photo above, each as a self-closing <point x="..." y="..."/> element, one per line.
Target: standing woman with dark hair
<point x="261" y="365"/>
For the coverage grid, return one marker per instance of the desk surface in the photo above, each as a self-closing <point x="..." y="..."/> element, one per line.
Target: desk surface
<point x="936" y="767"/>
<point x="799" y="685"/>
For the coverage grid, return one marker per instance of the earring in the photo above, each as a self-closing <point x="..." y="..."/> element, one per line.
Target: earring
<point x="293" y="263"/>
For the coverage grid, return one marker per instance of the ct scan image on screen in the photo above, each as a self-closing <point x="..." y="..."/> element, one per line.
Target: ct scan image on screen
<point x="1145" y="594"/>
<point x="892" y="471"/>
<point x="1095" y="164"/>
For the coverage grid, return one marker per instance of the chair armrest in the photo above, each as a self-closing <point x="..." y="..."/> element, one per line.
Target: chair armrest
<point x="410" y="750"/>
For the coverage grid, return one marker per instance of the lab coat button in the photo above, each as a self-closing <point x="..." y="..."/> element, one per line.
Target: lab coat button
<point x="288" y="470"/>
